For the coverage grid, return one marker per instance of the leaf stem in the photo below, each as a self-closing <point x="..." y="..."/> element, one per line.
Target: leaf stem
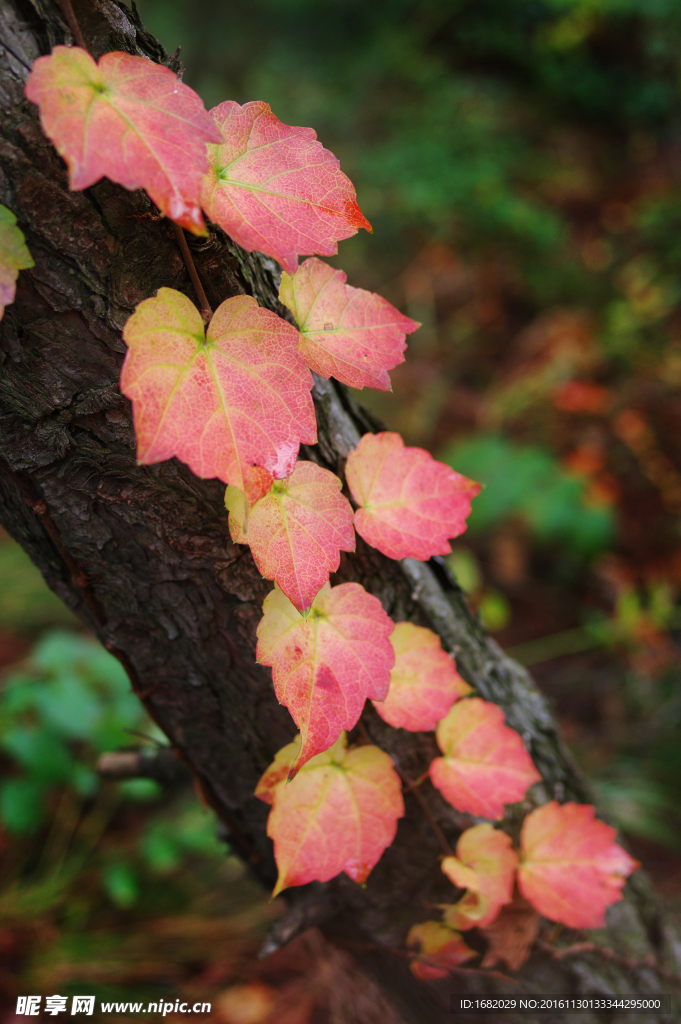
<point x="206" y="311"/>
<point x="435" y="828"/>
<point x="73" y="23"/>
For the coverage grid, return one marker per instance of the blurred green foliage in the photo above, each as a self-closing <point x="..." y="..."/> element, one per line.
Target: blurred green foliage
<point x="528" y="482"/>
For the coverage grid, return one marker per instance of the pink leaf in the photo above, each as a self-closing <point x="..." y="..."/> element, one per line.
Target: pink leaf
<point x="14" y="256"/>
<point x="485" y="864"/>
<point x="485" y="764"/>
<point x="440" y="949"/>
<point x="296" y="529"/>
<point x="423" y="682"/>
<point x="222" y="401"/>
<point x="274" y="188"/>
<point x="338" y="814"/>
<point x="409" y="503"/>
<point x="346" y="333"/>
<point x="327" y="661"/>
<point x="571" y="868"/>
<point x="129" y="120"/>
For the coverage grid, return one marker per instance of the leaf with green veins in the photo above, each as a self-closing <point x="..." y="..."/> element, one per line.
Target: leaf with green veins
<point x="14" y="256"/>
<point x="276" y="189"/>
<point x="409" y="504"/>
<point x="346" y="333"/>
<point x="127" y="119"/>
<point x="327" y="661"/>
<point x="296" y="529"/>
<point x="338" y="814"/>
<point x="220" y="402"/>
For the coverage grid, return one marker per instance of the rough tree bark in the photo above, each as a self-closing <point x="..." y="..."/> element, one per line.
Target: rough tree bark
<point x="143" y="554"/>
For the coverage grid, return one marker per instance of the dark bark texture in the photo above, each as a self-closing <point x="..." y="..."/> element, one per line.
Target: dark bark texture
<point x="143" y="555"/>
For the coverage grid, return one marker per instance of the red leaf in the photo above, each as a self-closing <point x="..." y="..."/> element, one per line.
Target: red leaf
<point x="440" y="949"/>
<point x="423" y="682"/>
<point x="346" y="333"/>
<point x="129" y="120"/>
<point x="274" y="188"/>
<point x="485" y="863"/>
<point x="327" y="661"/>
<point x="338" y="814"/>
<point x="14" y="256"/>
<point x="409" y="503"/>
<point x="296" y="529"/>
<point x="485" y="764"/>
<point x="221" y="402"/>
<point x="571" y="868"/>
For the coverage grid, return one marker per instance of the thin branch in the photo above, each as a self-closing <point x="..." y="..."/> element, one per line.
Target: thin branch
<point x="204" y="304"/>
<point x="404" y="954"/>
<point x="73" y="23"/>
<point x="630" y="962"/>
<point x="418" y="796"/>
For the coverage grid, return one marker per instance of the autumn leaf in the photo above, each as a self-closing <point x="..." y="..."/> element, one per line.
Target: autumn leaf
<point x="571" y="868"/>
<point x="409" y="503"/>
<point x="485" y="764"/>
<point x="14" y="256"/>
<point x="439" y="949"/>
<point x="338" y="814"/>
<point x="129" y="120"/>
<point x="485" y="864"/>
<point x="511" y="935"/>
<point x="423" y="682"/>
<point x="220" y="402"/>
<point x="296" y="529"/>
<point x="326" y="661"/>
<point x="276" y="189"/>
<point x="346" y="333"/>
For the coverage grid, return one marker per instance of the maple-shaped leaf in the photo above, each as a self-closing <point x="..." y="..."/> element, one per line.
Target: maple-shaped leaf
<point x="571" y="868"/>
<point x="485" y="863"/>
<point x="276" y="189"/>
<point x="485" y="764"/>
<point x="439" y="949"/>
<point x="346" y="333"/>
<point x="423" y="682"/>
<point x="296" y="529"/>
<point x="338" y="814"/>
<point x="410" y="505"/>
<point x="127" y="119"/>
<point x="511" y="935"/>
<point x="14" y="256"/>
<point x="220" y="401"/>
<point x="326" y="661"/>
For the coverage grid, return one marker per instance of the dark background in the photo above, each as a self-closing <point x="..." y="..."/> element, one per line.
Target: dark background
<point x="520" y="162"/>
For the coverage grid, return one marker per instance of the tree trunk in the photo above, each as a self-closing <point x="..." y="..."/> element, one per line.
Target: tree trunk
<point x="143" y="554"/>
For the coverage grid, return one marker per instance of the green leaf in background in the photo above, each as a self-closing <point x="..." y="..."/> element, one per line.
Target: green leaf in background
<point x="121" y="883"/>
<point x="22" y="804"/>
<point x="528" y="482"/>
